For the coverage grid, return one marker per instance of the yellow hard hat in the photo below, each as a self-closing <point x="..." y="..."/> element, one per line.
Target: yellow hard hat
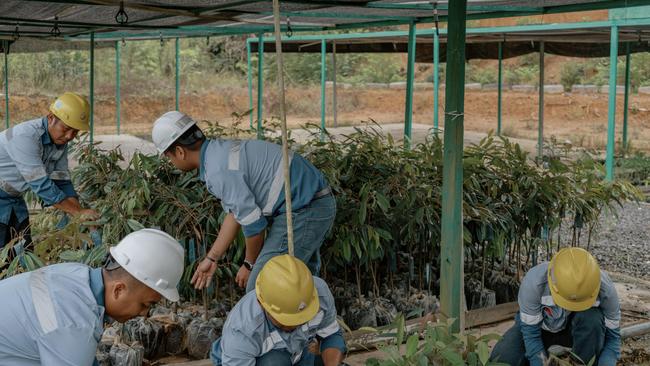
<point x="73" y="110"/>
<point x="285" y="289"/>
<point x="574" y="279"/>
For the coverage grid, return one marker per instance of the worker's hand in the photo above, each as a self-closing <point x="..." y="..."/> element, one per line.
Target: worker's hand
<point x="242" y="276"/>
<point x="203" y="274"/>
<point x="89" y="214"/>
<point x="314" y="347"/>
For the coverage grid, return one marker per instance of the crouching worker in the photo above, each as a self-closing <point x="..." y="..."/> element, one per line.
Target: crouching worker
<point x="55" y="315"/>
<point x="276" y="324"/>
<point x="568" y="302"/>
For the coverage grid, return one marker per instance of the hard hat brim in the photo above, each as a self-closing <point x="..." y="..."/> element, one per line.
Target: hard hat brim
<point x="171" y="294"/>
<point x="292" y="320"/>
<point x="575" y="306"/>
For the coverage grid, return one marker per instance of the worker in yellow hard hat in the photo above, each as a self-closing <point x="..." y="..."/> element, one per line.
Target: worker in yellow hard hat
<point x="569" y="302"/>
<point x="289" y="319"/>
<point x="34" y="155"/>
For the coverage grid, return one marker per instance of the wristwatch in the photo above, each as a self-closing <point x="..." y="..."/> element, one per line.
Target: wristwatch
<point x="248" y="265"/>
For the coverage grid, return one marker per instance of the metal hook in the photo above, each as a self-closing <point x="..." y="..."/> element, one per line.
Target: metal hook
<point x="162" y="41"/>
<point x="289" y="30"/>
<point x="207" y="40"/>
<point x="121" y="17"/>
<point x="56" y="32"/>
<point x="16" y="33"/>
<point x="123" y="42"/>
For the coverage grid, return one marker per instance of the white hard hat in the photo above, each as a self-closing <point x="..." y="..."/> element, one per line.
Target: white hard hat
<point x="154" y="258"/>
<point x="168" y="128"/>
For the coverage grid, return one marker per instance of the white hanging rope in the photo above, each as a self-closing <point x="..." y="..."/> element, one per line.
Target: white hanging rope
<point x="283" y="123"/>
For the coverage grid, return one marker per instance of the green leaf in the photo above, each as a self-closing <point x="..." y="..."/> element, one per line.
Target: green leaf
<point x="383" y="202"/>
<point x="483" y="353"/>
<point x="453" y="357"/>
<point x="72" y="255"/>
<point x="134" y="225"/>
<point x="399" y="323"/>
<point x="412" y="345"/>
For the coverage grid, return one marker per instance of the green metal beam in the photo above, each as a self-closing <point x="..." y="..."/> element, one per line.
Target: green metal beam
<point x="260" y="87"/>
<point x="611" y="116"/>
<point x="92" y="87"/>
<point x="626" y="99"/>
<point x="451" y="252"/>
<point x="6" y="52"/>
<point x="410" y="76"/>
<point x="177" y="85"/>
<point x="475" y="31"/>
<point x="540" y="113"/>
<point x="339" y="15"/>
<point x="202" y="31"/>
<point x="118" y="80"/>
<point x="500" y="90"/>
<point x="250" y="81"/>
<point x="436" y="82"/>
<point x="323" y="76"/>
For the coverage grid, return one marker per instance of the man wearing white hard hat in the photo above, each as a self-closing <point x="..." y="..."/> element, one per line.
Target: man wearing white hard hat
<point x="247" y="176"/>
<point x="55" y="315"/>
<point x="34" y="156"/>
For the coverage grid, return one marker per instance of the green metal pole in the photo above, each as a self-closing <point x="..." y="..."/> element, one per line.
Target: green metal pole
<point x="177" y="86"/>
<point x="260" y="84"/>
<point x="250" y="82"/>
<point x="92" y="87"/>
<point x="410" y="72"/>
<point x="500" y="90"/>
<point x="451" y="253"/>
<point x="626" y="99"/>
<point x="436" y="81"/>
<point x="611" y="116"/>
<point x="118" y="99"/>
<point x="334" y="100"/>
<point x="540" y="124"/>
<point x="323" y="75"/>
<point x="6" y="45"/>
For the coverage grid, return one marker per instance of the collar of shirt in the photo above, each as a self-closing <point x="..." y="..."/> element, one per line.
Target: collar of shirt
<point x="97" y="285"/>
<point x="45" y="139"/>
<point x="202" y="160"/>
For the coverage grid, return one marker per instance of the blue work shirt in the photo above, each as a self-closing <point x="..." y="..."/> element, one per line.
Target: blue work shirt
<point x="249" y="334"/>
<point x="538" y="311"/>
<point x="52" y="316"/>
<point x="248" y="177"/>
<point x="29" y="159"/>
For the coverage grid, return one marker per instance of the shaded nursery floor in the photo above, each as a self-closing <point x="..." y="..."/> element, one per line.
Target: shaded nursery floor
<point x="635" y="307"/>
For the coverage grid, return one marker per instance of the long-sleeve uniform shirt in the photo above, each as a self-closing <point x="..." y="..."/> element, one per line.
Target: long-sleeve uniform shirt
<point x="538" y="311"/>
<point x="248" y="177"/>
<point x="52" y="316"/>
<point x="29" y="159"/>
<point x="249" y="334"/>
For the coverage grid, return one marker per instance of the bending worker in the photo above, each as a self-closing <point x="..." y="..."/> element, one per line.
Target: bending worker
<point x="247" y="176"/>
<point x="34" y="155"/>
<point x="569" y="302"/>
<point x="289" y="319"/>
<point x="55" y="315"/>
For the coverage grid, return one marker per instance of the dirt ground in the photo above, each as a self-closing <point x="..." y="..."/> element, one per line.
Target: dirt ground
<point x="580" y="118"/>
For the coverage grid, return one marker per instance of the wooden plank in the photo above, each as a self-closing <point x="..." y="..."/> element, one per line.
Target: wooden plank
<point x="205" y="362"/>
<point x="495" y="314"/>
